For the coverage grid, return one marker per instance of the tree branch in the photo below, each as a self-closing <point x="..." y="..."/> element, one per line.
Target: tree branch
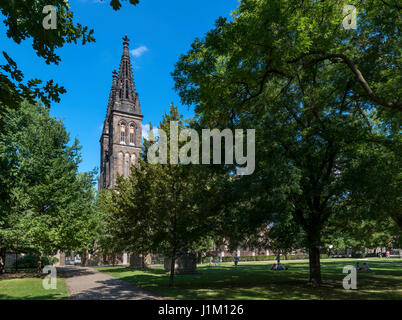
<point x="360" y="79"/>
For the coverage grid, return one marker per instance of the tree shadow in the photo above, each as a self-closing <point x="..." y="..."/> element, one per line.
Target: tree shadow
<point x="256" y="281"/>
<point x="115" y="289"/>
<point x="105" y="289"/>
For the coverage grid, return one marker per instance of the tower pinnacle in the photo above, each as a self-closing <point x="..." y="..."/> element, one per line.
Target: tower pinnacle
<point x="126" y="81"/>
<point x="126" y="40"/>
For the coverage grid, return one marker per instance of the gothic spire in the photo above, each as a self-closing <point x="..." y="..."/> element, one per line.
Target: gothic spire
<point x="125" y="79"/>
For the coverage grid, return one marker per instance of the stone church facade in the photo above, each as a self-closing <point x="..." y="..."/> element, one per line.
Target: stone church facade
<point x="121" y="138"/>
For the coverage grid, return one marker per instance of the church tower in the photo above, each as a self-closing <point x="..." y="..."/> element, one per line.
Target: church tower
<point x="122" y="130"/>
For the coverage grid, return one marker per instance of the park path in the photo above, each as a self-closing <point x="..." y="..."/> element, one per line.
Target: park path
<point x="84" y="283"/>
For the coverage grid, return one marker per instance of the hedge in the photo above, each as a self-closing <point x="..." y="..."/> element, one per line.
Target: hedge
<point x="31" y="261"/>
<point x="264" y="258"/>
<point x="160" y="260"/>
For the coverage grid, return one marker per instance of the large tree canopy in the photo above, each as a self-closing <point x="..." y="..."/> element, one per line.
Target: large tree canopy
<point x="320" y="97"/>
<point x="272" y="42"/>
<point x="50" y="205"/>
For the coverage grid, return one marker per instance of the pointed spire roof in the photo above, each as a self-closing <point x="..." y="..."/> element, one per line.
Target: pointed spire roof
<point x="123" y="96"/>
<point x="126" y="79"/>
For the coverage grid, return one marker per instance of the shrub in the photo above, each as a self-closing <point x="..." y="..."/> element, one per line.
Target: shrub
<point x="261" y="258"/>
<point x="31" y="261"/>
<point x="158" y="260"/>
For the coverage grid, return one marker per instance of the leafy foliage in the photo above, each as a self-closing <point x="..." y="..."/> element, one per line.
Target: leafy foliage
<point x="289" y="70"/>
<point x="31" y="260"/>
<point x="50" y="205"/>
<point x="162" y="208"/>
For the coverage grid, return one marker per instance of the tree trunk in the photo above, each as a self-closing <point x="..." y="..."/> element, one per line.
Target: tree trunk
<point x="39" y="262"/>
<point x="315" y="268"/>
<point x="84" y="258"/>
<point x="174" y="250"/>
<point x="2" y="260"/>
<point x="172" y="264"/>
<point x="398" y="220"/>
<point x="314" y="240"/>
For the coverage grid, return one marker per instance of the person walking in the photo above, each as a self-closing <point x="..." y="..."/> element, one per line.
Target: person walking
<point x="278" y="258"/>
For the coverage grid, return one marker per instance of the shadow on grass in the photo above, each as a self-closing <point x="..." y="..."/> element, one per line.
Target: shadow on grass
<point x="257" y="281"/>
<point x="114" y="289"/>
<point x="69" y="272"/>
<point x="29" y="297"/>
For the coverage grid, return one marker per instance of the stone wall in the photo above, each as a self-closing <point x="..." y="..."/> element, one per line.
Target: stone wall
<point x="140" y="261"/>
<point x="184" y="264"/>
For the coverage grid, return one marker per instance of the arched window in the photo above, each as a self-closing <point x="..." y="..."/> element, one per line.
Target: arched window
<point x="131" y="133"/>
<point x="122" y="133"/>
<point x="126" y="169"/>
<point x="126" y="89"/>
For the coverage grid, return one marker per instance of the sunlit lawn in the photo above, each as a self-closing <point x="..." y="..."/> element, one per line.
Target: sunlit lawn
<point x="31" y="288"/>
<point x="255" y="280"/>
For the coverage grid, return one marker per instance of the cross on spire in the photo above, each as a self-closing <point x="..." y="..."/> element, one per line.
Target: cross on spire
<point x="126" y="40"/>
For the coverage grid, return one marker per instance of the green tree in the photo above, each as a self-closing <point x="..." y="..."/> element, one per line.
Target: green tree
<point x="51" y="204"/>
<point x="115" y="236"/>
<point x="289" y="70"/>
<point x="23" y="20"/>
<point x="163" y="208"/>
<point x="82" y="222"/>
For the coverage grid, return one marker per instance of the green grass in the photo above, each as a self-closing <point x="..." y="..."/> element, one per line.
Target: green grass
<point x="31" y="289"/>
<point x="255" y="280"/>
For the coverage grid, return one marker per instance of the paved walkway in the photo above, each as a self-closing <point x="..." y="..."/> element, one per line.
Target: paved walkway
<point x="85" y="283"/>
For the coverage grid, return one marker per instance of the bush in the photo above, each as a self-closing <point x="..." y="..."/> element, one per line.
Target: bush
<point x="31" y="261"/>
<point x="259" y="258"/>
<point x="158" y="260"/>
<point x="266" y="258"/>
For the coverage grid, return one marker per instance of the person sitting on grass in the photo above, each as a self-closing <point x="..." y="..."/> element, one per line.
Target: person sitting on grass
<point x="282" y="267"/>
<point x="365" y="267"/>
<point x="274" y="267"/>
<point x="357" y="266"/>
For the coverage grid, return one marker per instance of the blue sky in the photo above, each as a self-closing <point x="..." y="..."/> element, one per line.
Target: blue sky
<point x="159" y="32"/>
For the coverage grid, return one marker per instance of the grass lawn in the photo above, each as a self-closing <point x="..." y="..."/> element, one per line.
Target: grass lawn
<point x="255" y="280"/>
<point x="31" y="288"/>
